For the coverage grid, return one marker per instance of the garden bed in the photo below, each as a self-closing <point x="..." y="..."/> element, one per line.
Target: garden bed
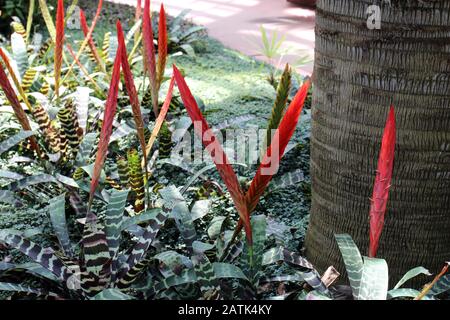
<point x="230" y="85"/>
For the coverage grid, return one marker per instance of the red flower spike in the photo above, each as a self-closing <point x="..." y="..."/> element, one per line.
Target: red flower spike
<point x="382" y="183"/>
<point x="283" y="135"/>
<point x="87" y="37"/>
<point x="59" y="44"/>
<point x="161" y="117"/>
<point x="105" y="135"/>
<point x="279" y="143"/>
<point x="14" y="101"/>
<point x="162" y="45"/>
<point x="138" y="14"/>
<point x="91" y="43"/>
<point x="149" y="55"/>
<point x="132" y="93"/>
<point x="220" y="159"/>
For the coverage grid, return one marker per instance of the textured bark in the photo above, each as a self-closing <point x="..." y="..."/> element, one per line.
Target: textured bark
<point x="358" y="73"/>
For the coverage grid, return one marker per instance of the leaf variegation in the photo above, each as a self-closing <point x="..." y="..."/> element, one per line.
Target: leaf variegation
<point x="113" y="220"/>
<point x="374" y="280"/>
<point x="58" y="219"/>
<point x="20" y="54"/>
<point x="411" y="274"/>
<point x="112" y="294"/>
<point x="14" y="140"/>
<point x="6" y="286"/>
<point x="352" y="260"/>
<point x="441" y="286"/>
<point x="405" y="293"/>
<point x="44" y="256"/>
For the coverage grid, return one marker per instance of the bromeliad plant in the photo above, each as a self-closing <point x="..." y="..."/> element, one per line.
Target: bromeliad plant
<point x="101" y="270"/>
<point x="245" y="202"/>
<point x="368" y="276"/>
<point x="105" y="265"/>
<point x="62" y="138"/>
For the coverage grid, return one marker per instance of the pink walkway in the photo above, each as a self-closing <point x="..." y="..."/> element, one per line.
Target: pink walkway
<point x="236" y="23"/>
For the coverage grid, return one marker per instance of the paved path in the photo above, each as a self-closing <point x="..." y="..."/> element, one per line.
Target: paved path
<point x="236" y="23"/>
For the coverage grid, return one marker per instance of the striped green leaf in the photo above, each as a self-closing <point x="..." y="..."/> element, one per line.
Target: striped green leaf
<point x="96" y="259"/>
<point x="30" y="181"/>
<point x="113" y="220"/>
<point x="112" y="294"/>
<point x="5" y="286"/>
<point x="14" y="140"/>
<point x="206" y="277"/>
<point x="374" y="280"/>
<point x="44" y="256"/>
<point x="141" y="247"/>
<point x="85" y="149"/>
<point x="402" y="293"/>
<point x="186" y="276"/>
<point x="58" y="218"/>
<point x="228" y="271"/>
<point x="441" y="286"/>
<point x="305" y="269"/>
<point x="287" y="180"/>
<point x="352" y="260"/>
<point x="20" y="54"/>
<point x="185" y="224"/>
<point x="31" y="268"/>
<point x="149" y="215"/>
<point x="252" y="256"/>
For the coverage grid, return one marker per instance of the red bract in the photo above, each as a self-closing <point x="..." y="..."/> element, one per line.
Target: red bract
<point x="14" y="101"/>
<point x="245" y="203"/>
<point x="132" y="93"/>
<point x="87" y="36"/>
<point x="105" y="135"/>
<point x="162" y="45"/>
<point x="59" y="44"/>
<point x="161" y="117"/>
<point x="91" y="43"/>
<point x="138" y="10"/>
<point x="211" y="143"/>
<point x="382" y="183"/>
<point x="149" y="55"/>
<point x="271" y="161"/>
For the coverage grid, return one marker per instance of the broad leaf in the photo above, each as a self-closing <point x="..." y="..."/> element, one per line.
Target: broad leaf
<point x="58" y="218"/>
<point x="219" y="157"/>
<point x="105" y="135"/>
<point x="113" y="219"/>
<point x="14" y="140"/>
<point x="44" y="256"/>
<point x="352" y="260"/>
<point x="412" y="274"/>
<point x="112" y="294"/>
<point x="374" y="280"/>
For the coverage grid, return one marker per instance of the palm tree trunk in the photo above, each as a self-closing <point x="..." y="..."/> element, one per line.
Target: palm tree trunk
<point x="358" y="73"/>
